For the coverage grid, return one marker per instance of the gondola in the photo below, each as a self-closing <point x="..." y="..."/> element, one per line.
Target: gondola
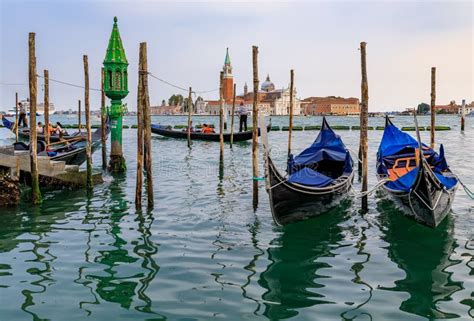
<point x="24" y="133"/>
<point x="317" y="179"/>
<point x="417" y="177"/>
<point x="167" y="131"/>
<point x="72" y="153"/>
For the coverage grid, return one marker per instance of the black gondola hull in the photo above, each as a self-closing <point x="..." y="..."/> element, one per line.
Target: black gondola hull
<point x="292" y="202"/>
<point x="428" y="202"/>
<point x="77" y="156"/>
<point x="215" y="137"/>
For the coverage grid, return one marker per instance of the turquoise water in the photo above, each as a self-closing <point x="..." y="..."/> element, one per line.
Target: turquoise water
<point x="202" y="253"/>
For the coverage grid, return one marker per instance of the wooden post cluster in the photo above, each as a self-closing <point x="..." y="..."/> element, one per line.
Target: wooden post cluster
<point x="290" y="127"/>
<point x="463" y="114"/>
<point x="35" y="190"/>
<point x="103" y="122"/>
<point x="221" y="116"/>
<point x="232" y="114"/>
<point x="433" y="110"/>
<point x="190" y="109"/>
<point x="46" y="106"/>
<point x="364" y="114"/>
<point x="144" y="104"/>
<point x="16" y="114"/>
<point x="89" y="183"/>
<point x="255" y="127"/>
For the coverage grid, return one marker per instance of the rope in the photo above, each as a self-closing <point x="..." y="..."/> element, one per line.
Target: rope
<point x="179" y="87"/>
<point x="68" y="84"/>
<point x="367" y="193"/>
<point x="466" y="189"/>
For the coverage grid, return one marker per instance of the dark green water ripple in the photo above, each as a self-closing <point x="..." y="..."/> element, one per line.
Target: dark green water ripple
<point x="202" y="253"/>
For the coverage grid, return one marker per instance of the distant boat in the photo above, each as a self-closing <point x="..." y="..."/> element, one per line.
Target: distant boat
<point x="167" y="131"/>
<point x="471" y="114"/>
<point x="39" y="109"/>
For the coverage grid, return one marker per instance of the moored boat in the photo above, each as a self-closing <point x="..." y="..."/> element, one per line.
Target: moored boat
<point x="317" y="179"/>
<point x="24" y="133"/>
<point x="74" y="153"/>
<point x="417" y="177"/>
<point x="167" y="131"/>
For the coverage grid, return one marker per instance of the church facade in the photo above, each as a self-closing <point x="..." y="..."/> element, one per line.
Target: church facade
<point x="271" y="101"/>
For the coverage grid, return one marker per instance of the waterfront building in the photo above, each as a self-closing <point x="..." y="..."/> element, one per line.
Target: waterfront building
<point x="330" y="106"/>
<point x="451" y="108"/>
<point x="469" y="108"/>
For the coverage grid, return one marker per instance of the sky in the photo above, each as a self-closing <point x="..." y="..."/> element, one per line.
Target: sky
<point x="187" y="42"/>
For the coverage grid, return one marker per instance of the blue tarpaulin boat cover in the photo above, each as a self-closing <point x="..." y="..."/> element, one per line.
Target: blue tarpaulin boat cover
<point x="327" y="146"/>
<point x="394" y="141"/>
<point x="406" y="182"/>
<point x="8" y="124"/>
<point x="307" y="176"/>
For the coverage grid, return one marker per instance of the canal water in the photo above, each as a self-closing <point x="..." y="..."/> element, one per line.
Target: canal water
<point x="202" y="253"/>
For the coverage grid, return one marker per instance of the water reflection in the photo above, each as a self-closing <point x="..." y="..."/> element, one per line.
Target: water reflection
<point x="146" y="251"/>
<point x="424" y="256"/>
<point x="30" y="227"/>
<point x="358" y="268"/>
<point x="254" y="230"/>
<point x="291" y="280"/>
<point x="111" y="286"/>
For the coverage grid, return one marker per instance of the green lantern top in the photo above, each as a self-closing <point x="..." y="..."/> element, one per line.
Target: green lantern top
<point x="115" y="52"/>
<point x="115" y="67"/>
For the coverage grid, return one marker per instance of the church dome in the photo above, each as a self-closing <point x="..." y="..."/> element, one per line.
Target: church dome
<point x="268" y="85"/>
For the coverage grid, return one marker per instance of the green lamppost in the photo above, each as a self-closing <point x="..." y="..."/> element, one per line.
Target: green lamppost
<point x="116" y="88"/>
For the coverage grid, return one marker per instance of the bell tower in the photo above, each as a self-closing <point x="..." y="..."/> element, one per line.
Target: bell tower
<point x="228" y="85"/>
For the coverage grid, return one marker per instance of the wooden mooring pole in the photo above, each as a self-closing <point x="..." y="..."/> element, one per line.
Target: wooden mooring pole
<point x="463" y="114"/>
<point x="139" y="182"/>
<point x="255" y="127"/>
<point x="232" y="114"/>
<point x="147" y="122"/>
<point x="433" y="109"/>
<point x="79" y="114"/>
<point x="103" y="113"/>
<point x="35" y="190"/>
<point x="89" y="183"/>
<point x="221" y="117"/>
<point x="364" y="114"/>
<point x="190" y="110"/>
<point x="290" y="127"/>
<point x="16" y="115"/>
<point x="46" y="107"/>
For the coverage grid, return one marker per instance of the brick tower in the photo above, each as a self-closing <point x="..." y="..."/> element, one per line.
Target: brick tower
<point x="228" y="85"/>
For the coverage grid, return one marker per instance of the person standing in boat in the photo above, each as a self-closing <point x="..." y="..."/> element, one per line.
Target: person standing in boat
<point x="242" y="112"/>
<point x="22" y="116"/>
